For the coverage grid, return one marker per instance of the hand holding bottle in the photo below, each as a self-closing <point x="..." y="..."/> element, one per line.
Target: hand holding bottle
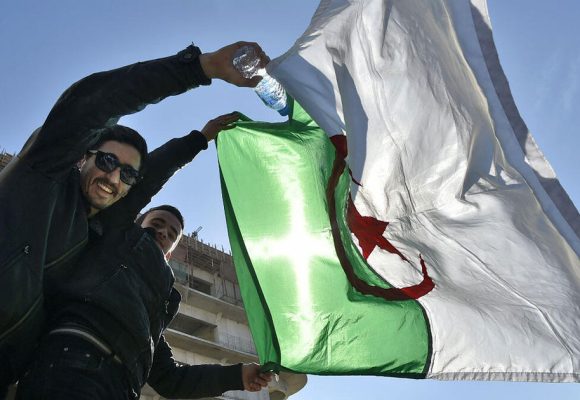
<point x="218" y="64"/>
<point x="248" y="62"/>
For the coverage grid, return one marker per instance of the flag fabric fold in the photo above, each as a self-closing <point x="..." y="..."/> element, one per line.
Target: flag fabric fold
<point x="414" y="229"/>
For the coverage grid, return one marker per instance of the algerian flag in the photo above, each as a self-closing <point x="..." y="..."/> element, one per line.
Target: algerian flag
<point x="427" y="237"/>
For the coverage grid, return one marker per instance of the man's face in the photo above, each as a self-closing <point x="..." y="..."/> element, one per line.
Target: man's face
<point x="100" y="188"/>
<point x="167" y="229"/>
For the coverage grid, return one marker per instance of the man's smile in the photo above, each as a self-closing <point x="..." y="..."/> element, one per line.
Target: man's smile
<point x="105" y="188"/>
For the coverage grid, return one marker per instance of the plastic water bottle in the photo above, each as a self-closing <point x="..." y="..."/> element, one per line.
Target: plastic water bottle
<point x="246" y="61"/>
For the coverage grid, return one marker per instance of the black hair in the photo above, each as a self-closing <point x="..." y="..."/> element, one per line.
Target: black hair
<point x="123" y="134"/>
<point x="164" y="207"/>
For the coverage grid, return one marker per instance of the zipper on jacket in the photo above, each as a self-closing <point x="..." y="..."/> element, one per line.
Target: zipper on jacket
<point x="14" y="257"/>
<point x="67" y="254"/>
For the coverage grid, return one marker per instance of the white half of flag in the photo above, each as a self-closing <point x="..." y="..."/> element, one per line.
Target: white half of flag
<point x="437" y="149"/>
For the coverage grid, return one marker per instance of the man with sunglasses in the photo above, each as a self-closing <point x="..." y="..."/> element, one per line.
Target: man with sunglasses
<point x="107" y="174"/>
<point x="44" y="217"/>
<point x="108" y="313"/>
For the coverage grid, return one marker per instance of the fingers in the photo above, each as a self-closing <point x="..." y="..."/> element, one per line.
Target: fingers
<point x="264" y="59"/>
<point x="223" y="122"/>
<point x="253" y="81"/>
<point x="219" y="64"/>
<point x="254" y="387"/>
<point x="253" y="379"/>
<point x="260" y="381"/>
<point x="263" y="378"/>
<point x="227" y="119"/>
<point x="256" y="47"/>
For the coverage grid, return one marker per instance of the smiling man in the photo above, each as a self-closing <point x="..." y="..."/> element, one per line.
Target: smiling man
<point x="107" y="312"/>
<point x="108" y="173"/>
<point x="47" y="202"/>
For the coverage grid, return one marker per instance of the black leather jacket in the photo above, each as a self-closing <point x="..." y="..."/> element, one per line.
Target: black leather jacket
<point x="121" y="289"/>
<point x="43" y="217"/>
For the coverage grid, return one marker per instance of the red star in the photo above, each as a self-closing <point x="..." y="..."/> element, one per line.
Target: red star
<point x="369" y="232"/>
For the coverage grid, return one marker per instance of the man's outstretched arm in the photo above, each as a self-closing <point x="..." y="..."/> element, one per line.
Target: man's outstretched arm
<point x="99" y="100"/>
<point x="160" y="166"/>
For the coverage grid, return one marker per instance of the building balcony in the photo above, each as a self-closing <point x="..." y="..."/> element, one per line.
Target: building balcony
<point x="211" y="304"/>
<point x="225" y="352"/>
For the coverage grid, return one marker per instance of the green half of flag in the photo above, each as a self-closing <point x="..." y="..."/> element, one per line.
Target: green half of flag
<point x="304" y="314"/>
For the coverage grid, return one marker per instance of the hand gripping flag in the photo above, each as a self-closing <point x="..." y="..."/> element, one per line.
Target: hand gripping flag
<point x="420" y="232"/>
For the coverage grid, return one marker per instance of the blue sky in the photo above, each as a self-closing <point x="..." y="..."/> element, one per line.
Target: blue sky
<point x="46" y="46"/>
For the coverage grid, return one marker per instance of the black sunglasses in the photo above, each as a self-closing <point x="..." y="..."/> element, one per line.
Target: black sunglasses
<point x="108" y="162"/>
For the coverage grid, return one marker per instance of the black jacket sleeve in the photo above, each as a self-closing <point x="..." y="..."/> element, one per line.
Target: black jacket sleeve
<point x="99" y="100"/>
<point x="174" y="380"/>
<point x="160" y="165"/>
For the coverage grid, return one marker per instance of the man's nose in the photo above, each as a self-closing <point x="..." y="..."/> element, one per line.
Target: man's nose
<point x="162" y="232"/>
<point x="115" y="175"/>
